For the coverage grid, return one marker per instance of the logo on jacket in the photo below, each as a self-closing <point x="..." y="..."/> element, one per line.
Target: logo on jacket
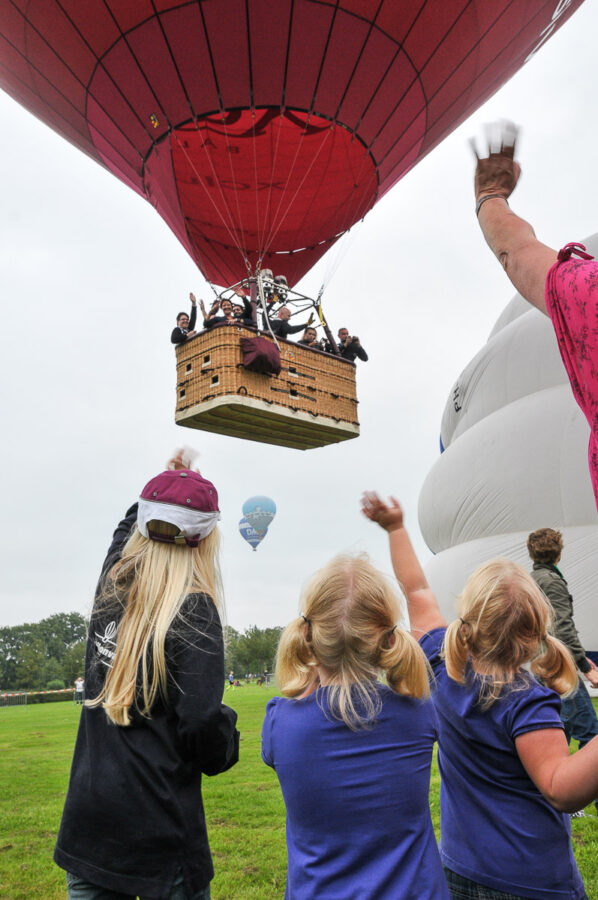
<point x="103" y="643"/>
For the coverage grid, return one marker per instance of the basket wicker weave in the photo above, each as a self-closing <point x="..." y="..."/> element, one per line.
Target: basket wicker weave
<point x="310" y="404"/>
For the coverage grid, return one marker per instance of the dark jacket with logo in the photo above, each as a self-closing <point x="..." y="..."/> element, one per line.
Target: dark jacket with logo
<point x="553" y="585"/>
<point x="134" y="815"/>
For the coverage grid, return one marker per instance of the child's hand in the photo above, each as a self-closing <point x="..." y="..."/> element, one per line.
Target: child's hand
<point x="388" y="517"/>
<point x="184" y="458"/>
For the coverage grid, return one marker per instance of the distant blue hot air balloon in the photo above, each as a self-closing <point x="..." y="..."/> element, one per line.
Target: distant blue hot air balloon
<point x="250" y="534"/>
<point x="259" y="512"/>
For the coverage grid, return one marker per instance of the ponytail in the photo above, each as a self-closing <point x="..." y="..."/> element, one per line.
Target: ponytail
<point x="348" y="631"/>
<point x="556" y="667"/>
<point x="294" y="659"/>
<point x="456" y="650"/>
<point x="405" y="666"/>
<point x="504" y="624"/>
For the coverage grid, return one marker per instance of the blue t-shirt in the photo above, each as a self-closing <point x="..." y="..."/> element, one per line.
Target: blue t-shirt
<point x="497" y="828"/>
<point x="358" y="815"/>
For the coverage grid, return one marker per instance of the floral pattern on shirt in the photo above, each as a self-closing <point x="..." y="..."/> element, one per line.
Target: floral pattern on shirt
<point x="572" y="303"/>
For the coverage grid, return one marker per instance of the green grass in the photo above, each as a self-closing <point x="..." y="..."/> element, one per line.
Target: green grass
<point x="244" y="807"/>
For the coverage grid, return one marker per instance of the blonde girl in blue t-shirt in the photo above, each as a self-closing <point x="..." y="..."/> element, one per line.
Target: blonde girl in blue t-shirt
<point x="353" y="755"/>
<point x="507" y="777"/>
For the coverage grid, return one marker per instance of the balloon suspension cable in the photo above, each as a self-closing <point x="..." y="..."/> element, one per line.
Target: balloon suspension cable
<point x="214" y="291"/>
<point x="324" y="323"/>
<point x="229" y="228"/>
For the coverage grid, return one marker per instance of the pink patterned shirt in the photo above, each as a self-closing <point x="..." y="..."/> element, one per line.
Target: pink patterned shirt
<point x="572" y="304"/>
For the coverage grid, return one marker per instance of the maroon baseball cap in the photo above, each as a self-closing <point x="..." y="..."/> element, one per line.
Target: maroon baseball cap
<point x="182" y="498"/>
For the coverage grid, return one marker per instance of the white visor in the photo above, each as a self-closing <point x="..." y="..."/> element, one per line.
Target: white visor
<point x="193" y="523"/>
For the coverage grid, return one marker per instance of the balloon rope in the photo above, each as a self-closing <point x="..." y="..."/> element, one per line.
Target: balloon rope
<point x="243" y="242"/>
<point x="262" y="243"/>
<point x="339" y="252"/>
<point x="200" y="179"/>
<point x="276" y="226"/>
<point x="257" y="196"/>
<point x="317" y="190"/>
<point x="270" y="234"/>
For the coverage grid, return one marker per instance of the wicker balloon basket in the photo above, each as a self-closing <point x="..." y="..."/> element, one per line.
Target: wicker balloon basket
<point x="311" y="403"/>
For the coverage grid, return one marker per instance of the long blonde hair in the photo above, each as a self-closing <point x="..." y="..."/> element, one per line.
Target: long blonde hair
<point x="504" y="623"/>
<point x="150" y="583"/>
<point x="348" y="627"/>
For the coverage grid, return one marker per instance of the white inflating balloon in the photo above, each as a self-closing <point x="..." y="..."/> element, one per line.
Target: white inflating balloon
<point x="515" y="460"/>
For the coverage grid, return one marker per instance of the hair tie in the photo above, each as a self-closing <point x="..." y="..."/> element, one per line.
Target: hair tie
<point x="393" y="629"/>
<point x="305" y="619"/>
<point x="463" y="622"/>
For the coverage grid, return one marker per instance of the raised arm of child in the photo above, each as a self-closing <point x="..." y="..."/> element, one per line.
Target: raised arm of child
<point x="424" y="612"/>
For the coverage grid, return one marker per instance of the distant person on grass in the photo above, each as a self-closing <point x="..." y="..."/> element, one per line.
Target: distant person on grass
<point x="352" y="754"/>
<point x="133" y="822"/>
<point x="79" y="690"/>
<point x="506" y="774"/>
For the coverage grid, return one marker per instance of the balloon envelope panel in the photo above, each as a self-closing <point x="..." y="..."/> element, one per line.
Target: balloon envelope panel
<point x="259" y="512"/>
<point x="515" y="461"/>
<point x="249" y="534"/>
<point x="260" y="130"/>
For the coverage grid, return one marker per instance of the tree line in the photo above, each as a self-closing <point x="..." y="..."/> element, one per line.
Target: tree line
<point x="251" y="653"/>
<point x="50" y="654"/>
<point x="46" y="655"/>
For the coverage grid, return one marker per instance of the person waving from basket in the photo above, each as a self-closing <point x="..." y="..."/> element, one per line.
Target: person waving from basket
<point x="185" y="324"/>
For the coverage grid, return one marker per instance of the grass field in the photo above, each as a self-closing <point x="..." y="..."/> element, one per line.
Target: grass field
<point x="244" y="808"/>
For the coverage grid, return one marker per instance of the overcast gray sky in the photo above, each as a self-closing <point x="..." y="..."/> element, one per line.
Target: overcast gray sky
<point x="91" y="282"/>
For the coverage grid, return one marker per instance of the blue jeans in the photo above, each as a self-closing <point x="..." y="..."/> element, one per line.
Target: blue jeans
<point x="579" y="717"/>
<point x="84" y="890"/>
<point x="461" y="888"/>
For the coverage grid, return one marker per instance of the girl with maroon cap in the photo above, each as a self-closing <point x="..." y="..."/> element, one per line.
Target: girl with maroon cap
<point x="133" y="823"/>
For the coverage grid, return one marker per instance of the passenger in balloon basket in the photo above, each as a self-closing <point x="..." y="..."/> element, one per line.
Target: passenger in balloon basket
<point x="281" y="326"/>
<point x="310" y="339"/>
<point x="153" y="721"/>
<point x="564" y="288"/>
<point x="185" y="324"/>
<point x="507" y="778"/>
<point x="577" y="711"/>
<point x="350" y="346"/>
<point x="242" y="310"/>
<point x="213" y="320"/>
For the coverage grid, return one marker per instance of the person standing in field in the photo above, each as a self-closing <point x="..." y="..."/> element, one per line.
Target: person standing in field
<point x="352" y="754"/>
<point x="153" y="722"/>
<point x="79" y="690"/>
<point x="577" y="711"/>
<point x="507" y="778"/>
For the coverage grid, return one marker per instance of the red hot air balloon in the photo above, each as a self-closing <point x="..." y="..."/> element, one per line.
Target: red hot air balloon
<point x="262" y="131"/>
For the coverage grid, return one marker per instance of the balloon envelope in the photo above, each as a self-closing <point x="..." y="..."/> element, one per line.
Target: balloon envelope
<point x="250" y="534"/>
<point x="262" y="131"/>
<point x="259" y="512"/>
<point x="515" y="461"/>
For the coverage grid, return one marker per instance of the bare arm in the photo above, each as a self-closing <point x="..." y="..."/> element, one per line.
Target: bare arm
<point x="512" y="240"/>
<point x="568" y="782"/>
<point x="422" y="605"/>
<point x="523" y="257"/>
